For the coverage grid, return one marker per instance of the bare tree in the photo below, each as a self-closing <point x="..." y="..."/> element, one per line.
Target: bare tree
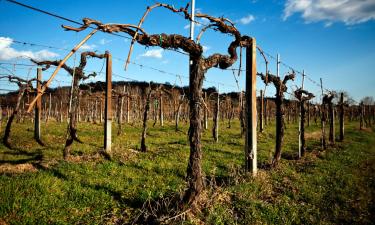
<point x="327" y="100"/>
<point x="24" y="86"/>
<point x="303" y="96"/>
<point x="178" y="110"/>
<point x="280" y="85"/>
<point x="78" y="74"/>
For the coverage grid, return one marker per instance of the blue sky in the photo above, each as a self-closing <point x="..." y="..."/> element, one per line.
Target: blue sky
<point x="329" y="39"/>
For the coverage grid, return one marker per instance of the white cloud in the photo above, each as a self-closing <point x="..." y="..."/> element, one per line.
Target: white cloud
<point x="88" y="47"/>
<point x="153" y="53"/>
<point x="247" y="19"/>
<point x="8" y="53"/>
<point x="349" y="12"/>
<point x="104" y="41"/>
<point x="206" y="48"/>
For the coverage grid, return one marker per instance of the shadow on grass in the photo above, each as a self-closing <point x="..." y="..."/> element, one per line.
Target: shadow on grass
<point x="32" y="157"/>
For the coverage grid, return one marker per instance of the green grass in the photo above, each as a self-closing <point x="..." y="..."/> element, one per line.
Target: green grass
<point x="335" y="186"/>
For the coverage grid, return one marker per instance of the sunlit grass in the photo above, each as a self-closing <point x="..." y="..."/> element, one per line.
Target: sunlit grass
<point x="335" y="186"/>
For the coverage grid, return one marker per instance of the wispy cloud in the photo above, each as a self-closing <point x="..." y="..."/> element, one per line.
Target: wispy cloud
<point x="104" y="41"/>
<point x="153" y="53"/>
<point x="9" y="53"/>
<point x="349" y="12"/>
<point x="247" y="19"/>
<point x="88" y="47"/>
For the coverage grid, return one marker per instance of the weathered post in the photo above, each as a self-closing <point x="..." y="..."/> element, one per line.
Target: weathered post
<point x="261" y="111"/>
<point x="265" y="111"/>
<point x="308" y="113"/>
<point x="301" y="120"/>
<point x="361" y="116"/>
<point x="128" y="107"/>
<point x="48" y="113"/>
<point x="120" y="111"/>
<point x="161" y="110"/>
<point x="331" y="136"/>
<point x="251" y="109"/>
<point x="108" y="107"/>
<point x="242" y="114"/>
<point x="1" y="117"/>
<point x="303" y="96"/>
<point x="323" y="118"/>
<point x="38" y="107"/>
<point x="342" y="114"/>
<point x="215" y="129"/>
<point x="205" y="115"/>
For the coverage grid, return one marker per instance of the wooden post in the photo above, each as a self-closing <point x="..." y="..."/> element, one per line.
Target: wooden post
<point x="38" y="107"/>
<point x="332" y="123"/>
<point x="161" y="110"/>
<point x="120" y="111"/>
<point x="108" y="107"/>
<point x="261" y="121"/>
<point x="308" y="113"/>
<point x="265" y="112"/>
<point x="205" y="116"/>
<point x="301" y="122"/>
<point x="1" y="117"/>
<point x="323" y="116"/>
<point x="361" y="116"/>
<point x="48" y="111"/>
<point x="216" y="119"/>
<point x="342" y="114"/>
<point x="251" y="110"/>
<point x="128" y="108"/>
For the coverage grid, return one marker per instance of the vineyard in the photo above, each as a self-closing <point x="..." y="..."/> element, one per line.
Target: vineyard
<point x="122" y="150"/>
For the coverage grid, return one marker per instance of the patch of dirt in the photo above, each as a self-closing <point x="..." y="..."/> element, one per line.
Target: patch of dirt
<point x="85" y="158"/>
<point x="8" y="168"/>
<point x="313" y="135"/>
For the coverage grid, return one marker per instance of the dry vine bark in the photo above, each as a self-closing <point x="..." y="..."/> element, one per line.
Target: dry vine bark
<point x="215" y="119"/>
<point x="178" y="110"/>
<point x="198" y="67"/>
<point x="149" y="91"/>
<point x="303" y="96"/>
<point x="327" y="102"/>
<point x="78" y="75"/>
<point x="280" y="85"/>
<point x="24" y="86"/>
<point x="120" y="106"/>
<point x="327" y="99"/>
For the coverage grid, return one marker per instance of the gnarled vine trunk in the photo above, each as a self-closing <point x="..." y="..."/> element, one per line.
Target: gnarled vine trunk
<point x="194" y="171"/>
<point x="280" y="126"/>
<point x="145" y="115"/>
<point x="73" y="116"/>
<point x="11" y="118"/>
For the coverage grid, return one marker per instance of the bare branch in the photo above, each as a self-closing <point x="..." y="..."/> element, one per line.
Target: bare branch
<point x="299" y="94"/>
<point x="289" y="76"/>
<point x="202" y="31"/>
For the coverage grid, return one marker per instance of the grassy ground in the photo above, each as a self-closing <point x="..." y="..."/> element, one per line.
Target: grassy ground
<point x="335" y="186"/>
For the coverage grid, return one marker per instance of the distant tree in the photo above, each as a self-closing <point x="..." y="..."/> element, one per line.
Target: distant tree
<point x="368" y="100"/>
